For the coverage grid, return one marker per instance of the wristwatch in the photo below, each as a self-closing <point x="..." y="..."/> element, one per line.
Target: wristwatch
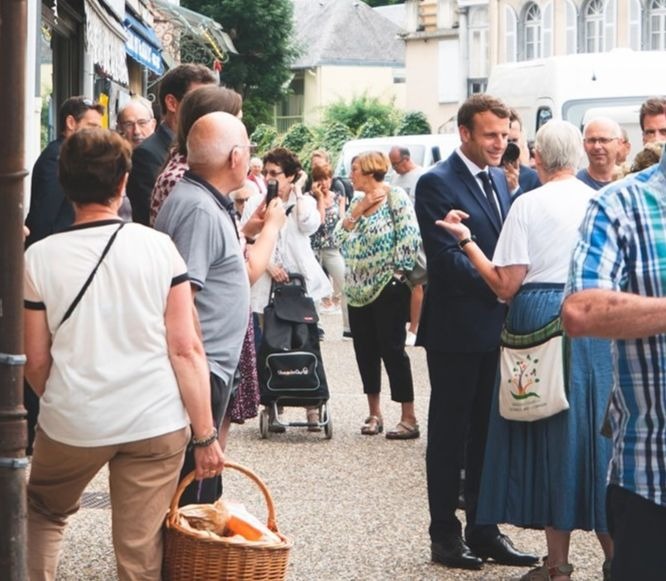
<point x="465" y="241"/>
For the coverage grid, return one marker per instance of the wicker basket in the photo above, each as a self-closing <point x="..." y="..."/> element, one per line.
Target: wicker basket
<point x="191" y="558"/>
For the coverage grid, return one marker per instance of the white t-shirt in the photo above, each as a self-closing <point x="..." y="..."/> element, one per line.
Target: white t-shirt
<point x="408" y="181"/>
<point x="541" y="230"/>
<point x="111" y="380"/>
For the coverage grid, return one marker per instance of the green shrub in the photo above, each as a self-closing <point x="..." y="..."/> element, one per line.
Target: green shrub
<point x="296" y="137"/>
<point x="373" y="127"/>
<point x="414" y="123"/>
<point x="359" y="110"/>
<point x="266" y="137"/>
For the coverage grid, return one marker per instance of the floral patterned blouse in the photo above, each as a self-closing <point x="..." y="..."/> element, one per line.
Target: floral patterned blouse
<point x="379" y="245"/>
<point x="323" y="238"/>
<point x="173" y="172"/>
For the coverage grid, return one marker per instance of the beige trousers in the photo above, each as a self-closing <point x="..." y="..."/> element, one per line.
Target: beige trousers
<point x="142" y="481"/>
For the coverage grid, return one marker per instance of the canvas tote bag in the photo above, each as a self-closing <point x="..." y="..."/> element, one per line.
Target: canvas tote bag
<point x="533" y="373"/>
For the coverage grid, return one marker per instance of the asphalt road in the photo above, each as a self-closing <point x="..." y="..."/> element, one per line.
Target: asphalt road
<point x="354" y="506"/>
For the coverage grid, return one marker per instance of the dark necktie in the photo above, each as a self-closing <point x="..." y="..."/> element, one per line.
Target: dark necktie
<point x="490" y="196"/>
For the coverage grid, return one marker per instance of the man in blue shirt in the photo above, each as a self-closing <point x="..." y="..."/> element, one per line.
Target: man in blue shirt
<point x="601" y="140"/>
<point x="617" y="290"/>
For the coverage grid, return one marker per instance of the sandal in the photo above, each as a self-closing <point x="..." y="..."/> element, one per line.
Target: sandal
<point x="546" y="573"/>
<point x="312" y="415"/>
<point x="403" y="431"/>
<point x="373" y="425"/>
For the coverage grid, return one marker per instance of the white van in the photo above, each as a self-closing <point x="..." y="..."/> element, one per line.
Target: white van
<point x="425" y="150"/>
<point x="613" y="83"/>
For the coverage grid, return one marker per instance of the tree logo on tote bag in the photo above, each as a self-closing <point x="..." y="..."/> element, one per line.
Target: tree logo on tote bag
<point x="524" y="376"/>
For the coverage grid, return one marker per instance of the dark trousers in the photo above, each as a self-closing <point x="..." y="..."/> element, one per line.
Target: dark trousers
<point x="208" y="490"/>
<point x="461" y="387"/>
<point x="379" y="333"/>
<point x="638" y="528"/>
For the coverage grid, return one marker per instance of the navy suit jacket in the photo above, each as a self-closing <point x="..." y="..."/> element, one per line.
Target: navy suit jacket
<point x="528" y="180"/>
<point x="460" y="312"/>
<point x="147" y="162"/>
<point x="50" y="211"/>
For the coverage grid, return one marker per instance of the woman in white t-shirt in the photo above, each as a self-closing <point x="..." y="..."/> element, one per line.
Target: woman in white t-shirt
<point x="549" y="473"/>
<point x="117" y="364"/>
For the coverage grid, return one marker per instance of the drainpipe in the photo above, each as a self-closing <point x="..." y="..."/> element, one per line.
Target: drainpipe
<point x="13" y="439"/>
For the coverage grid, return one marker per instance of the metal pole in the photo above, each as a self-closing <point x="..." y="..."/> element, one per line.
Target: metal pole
<point x="13" y="439"/>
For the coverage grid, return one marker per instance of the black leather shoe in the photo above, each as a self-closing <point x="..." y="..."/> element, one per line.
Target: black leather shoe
<point x="501" y="550"/>
<point x="455" y="553"/>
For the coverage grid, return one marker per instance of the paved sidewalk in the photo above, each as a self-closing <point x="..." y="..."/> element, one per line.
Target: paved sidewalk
<point x="354" y="506"/>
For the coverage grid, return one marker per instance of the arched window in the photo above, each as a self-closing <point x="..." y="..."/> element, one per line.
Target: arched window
<point x="532" y="34"/>
<point x="594" y="26"/>
<point x="572" y="33"/>
<point x="510" y="34"/>
<point x="658" y="24"/>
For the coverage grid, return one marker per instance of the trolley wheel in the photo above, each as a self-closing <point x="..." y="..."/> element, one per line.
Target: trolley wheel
<point x="263" y="424"/>
<point x="328" y="427"/>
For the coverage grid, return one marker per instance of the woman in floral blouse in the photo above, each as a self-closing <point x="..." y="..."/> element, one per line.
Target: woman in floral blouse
<point x="379" y="240"/>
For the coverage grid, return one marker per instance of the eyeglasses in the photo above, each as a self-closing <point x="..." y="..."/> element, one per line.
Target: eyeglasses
<point x="272" y="173"/>
<point x="252" y="147"/>
<point x="599" y="140"/>
<point x="139" y="122"/>
<point x="653" y="132"/>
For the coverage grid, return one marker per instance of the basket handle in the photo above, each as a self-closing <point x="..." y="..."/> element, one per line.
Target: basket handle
<point x="185" y="482"/>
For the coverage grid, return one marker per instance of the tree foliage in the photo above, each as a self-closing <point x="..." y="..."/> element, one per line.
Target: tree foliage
<point x="262" y="32"/>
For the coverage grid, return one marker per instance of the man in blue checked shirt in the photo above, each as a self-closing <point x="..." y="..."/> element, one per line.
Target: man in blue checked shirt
<point x="617" y="290"/>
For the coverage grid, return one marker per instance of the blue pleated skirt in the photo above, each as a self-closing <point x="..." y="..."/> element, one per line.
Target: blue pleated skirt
<point x="551" y="472"/>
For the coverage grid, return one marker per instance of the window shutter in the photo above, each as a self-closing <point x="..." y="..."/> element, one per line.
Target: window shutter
<point x="547" y="30"/>
<point x="571" y="32"/>
<point x="609" y="25"/>
<point x="511" y="34"/>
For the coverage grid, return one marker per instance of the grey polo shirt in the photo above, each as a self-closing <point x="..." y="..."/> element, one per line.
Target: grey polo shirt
<point x="198" y="219"/>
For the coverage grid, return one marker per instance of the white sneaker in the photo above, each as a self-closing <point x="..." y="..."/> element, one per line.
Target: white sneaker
<point x="410" y="340"/>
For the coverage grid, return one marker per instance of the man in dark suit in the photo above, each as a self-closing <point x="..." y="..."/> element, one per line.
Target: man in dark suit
<point x="460" y="329"/>
<point x="520" y="177"/>
<point x="49" y="210"/>
<point x="149" y="157"/>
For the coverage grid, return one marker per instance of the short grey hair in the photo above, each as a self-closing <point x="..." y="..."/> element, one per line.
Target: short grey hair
<point x="560" y="146"/>
<point x="607" y="123"/>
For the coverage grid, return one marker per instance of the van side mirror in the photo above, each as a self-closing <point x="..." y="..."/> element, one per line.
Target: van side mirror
<point x="436" y="154"/>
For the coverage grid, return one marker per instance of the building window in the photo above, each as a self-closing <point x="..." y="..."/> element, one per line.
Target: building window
<point x="635" y="39"/>
<point x="658" y="25"/>
<point x="594" y="26"/>
<point x="510" y="35"/>
<point x="572" y="33"/>
<point x="478" y="42"/>
<point x="532" y="35"/>
<point x="290" y="109"/>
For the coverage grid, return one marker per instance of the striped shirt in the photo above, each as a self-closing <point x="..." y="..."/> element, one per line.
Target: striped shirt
<point x="623" y="248"/>
<point x="381" y="244"/>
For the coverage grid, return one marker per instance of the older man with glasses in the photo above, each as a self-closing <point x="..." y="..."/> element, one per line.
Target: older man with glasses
<point x="136" y="121"/>
<point x="601" y="140"/>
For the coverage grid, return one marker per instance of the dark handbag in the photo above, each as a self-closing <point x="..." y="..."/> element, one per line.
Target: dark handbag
<point x="86" y="284"/>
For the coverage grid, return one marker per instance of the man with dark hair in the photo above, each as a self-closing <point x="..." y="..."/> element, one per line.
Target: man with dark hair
<point x="50" y="211"/>
<point x="460" y="330"/>
<point x="652" y="118"/>
<point x="520" y="177"/>
<point x="149" y="157"/>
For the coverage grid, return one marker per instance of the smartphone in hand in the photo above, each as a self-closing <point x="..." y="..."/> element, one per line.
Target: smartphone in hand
<point x="271" y="191"/>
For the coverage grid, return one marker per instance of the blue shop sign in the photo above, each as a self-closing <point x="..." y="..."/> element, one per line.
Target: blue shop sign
<point x="143" y="45"/>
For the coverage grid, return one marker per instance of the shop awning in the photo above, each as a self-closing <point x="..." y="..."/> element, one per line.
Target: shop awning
<point x="105" y="41"/>
<point x="143" y="45"/>
<point x="189" y="36"/>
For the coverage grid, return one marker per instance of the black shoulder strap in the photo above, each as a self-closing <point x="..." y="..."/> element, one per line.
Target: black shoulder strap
<point x="86" y="284"/>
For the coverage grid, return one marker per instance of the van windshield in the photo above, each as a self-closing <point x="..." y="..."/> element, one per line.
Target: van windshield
<point x="574" y="111"/>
